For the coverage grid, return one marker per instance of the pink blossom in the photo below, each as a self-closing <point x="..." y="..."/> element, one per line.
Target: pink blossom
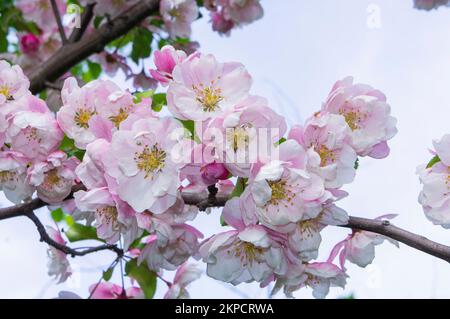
<point x="281" y="192"/>
<point x="80" y="105"/>
<point x="359" y="246"/>
<point x="29" y="43"/>
<point x="244" y="254"/>
<point x="170" y="246"/>
<point x="13" y="83"/>
<point x="305" y="238"/>
<point x="202" y="87"/>
<point x="327" y="140"/>
<point x="113" y="216"/>
<point x="165" y="61"/>
<point x="185" y="274"/>
<point x="142" y="162"/>
<point x="107" y="290"/>
<point x="40" y="11"/>
<point x="430" y="4"/>
<point x="178" y="16"/>
<point x="34" y="131"/>
<point x="434" y="196"/>
<point x="246" y="131"/>
<point x="58" y="264"/>
<point x="367" y="114"/>
<point x="54" y="177"/>
<point x="13" y="176"/>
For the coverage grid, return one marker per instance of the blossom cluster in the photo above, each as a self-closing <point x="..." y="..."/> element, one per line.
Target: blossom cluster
<point x="136" y="165"/>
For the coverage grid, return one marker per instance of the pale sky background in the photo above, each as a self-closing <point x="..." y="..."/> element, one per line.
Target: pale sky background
<point x="295" y="54"/>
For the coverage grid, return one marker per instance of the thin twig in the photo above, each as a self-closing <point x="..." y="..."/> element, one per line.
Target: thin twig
<point x="59" y="22"/>
<point x="45" y="237"/>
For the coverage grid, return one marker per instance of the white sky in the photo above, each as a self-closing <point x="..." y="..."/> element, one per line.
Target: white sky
<point x="295" y="54"/>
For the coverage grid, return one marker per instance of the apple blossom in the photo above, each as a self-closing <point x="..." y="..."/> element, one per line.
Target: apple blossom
<point x="359" y="246"/>
<point x="13" y="83"/>
<point x="178" y="16"/>
<point x="367" y="114"/>
<point x="80" y="105"/>
<point x="434" y="196"/>
<point x="13" y="176"/>
<point x="326" y="137"/>
<point x="34" y="131"/>
<point x="281" y="192"/>
<point x="247" y="131"/>
<point x="202" y="87"/>
<point x="245" y="254"/>
<point x="142" y="162"/>
<point x="58" y="264"/>
<point x="54" y="177"/>
<point x="170" y="246"/>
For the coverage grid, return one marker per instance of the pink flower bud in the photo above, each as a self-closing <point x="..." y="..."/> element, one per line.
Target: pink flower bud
<point x="214" y="172"/>
<point x="29" y="43"/>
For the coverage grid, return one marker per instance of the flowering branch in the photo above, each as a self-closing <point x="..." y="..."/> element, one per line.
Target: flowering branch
<point x="59" y="22"/>
<point x="382" y="227"/>
<point x="73" y="53"/>
<point x="67" y="250"/>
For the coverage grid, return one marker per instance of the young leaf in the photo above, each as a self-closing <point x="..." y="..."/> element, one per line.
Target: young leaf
<point x="144" y="276"/>
<point x="158" y="101"/>
<point x="78" y="232"/>
<point x="107" y="274"/>
<point x="57" y="215"/>
<point x="433" y="161"/>
<point x="141" y="44"/>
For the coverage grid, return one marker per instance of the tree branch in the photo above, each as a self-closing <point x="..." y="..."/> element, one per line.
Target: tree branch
<point x="59" y="21"/>
<point x="384" y="227"/>
<point x="204" y="200"/>
<point x="65" y="249"/>
<point x="73" y="53"/>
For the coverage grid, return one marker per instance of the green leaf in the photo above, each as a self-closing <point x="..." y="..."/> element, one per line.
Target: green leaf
<point x="68" y="147"/>
<point x="239" y="187"/>
<point x="142" y="44"/>
<point x="144" y="276"/>
<point x="433" y="161"/>
<point x="281" y="141"/>
<point x="57" y="215"/>
<point x="189" y="125"/>
<point x="78" y="232"/>
<point x="138" y="96"/>
<point x="356" y="163"/>
<point x="92" y="73"/>
<point x="107" y="274"/>
<point x="158" y="101"/>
